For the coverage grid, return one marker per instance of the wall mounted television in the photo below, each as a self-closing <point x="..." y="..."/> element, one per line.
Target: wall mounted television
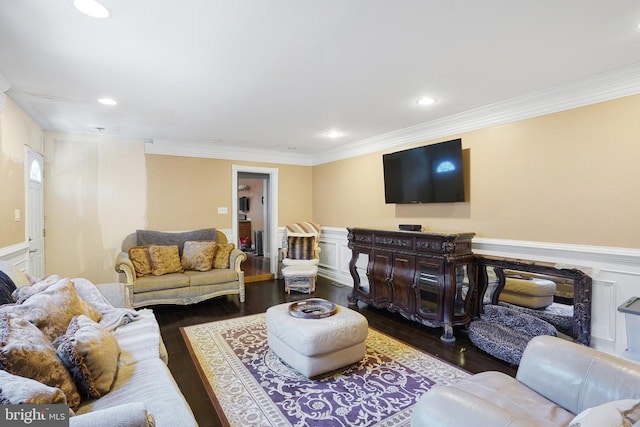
<point x="428" y="174"/>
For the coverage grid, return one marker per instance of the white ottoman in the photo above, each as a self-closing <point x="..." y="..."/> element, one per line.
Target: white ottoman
<point x="316" y="346"/>
<point x="300" y="277"/>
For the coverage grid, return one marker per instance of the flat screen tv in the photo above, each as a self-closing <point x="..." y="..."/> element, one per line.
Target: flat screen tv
<point x="429" y="174"/>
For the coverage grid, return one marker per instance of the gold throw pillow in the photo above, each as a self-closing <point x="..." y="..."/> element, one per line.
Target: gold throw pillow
<point x="221" y="258"/>
<point x="141" y="260"/>
<point x="164" y="260"/>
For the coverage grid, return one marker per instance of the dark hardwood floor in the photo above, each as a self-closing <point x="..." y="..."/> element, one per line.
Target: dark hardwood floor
<point x="262" y="295"/>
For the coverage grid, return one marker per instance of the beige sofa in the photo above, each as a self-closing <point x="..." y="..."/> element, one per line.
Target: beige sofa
<point x="558" y="383"/>
<point x="185" y="287"/>
<point x="122" y="355"/>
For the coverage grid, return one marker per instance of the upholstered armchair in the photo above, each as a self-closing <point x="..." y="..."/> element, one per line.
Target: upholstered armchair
<point x="301" y="256"/>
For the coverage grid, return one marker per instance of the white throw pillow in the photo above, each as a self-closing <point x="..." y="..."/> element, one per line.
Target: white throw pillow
<point x="610" y="414"/>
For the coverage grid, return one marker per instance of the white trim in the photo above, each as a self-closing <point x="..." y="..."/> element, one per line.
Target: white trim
<point x="217" y="151"/>
<point x="602" y="87"/>
<point x="16" y="255"/>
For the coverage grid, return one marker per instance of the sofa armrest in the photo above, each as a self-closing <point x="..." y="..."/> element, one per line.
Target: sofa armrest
<point x="574" y="376"/>
<point x="235" y="259"/>
<point x="446" y="406"/>
<point x="126" y="415"/>
<point x="118" y="294"/>
<point x="124" y="265"/>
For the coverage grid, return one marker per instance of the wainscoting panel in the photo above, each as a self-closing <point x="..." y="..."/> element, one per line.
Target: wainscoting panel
<point x="615" y="273"/>
<point x="17" y="255"/>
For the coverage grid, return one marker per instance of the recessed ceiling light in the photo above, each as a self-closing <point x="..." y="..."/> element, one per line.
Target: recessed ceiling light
<point x="334" y="134"/>
<point x="107" y="101"/>
<point x="91" y="8"/>
<point x="426" y="101"/>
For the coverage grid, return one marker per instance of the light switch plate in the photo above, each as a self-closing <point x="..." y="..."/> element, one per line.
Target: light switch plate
<point x="222" y="211"/>
<point x="17" y="215"/>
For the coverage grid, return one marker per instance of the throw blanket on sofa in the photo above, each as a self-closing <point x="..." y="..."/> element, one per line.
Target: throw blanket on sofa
<point x="112" y="317"/>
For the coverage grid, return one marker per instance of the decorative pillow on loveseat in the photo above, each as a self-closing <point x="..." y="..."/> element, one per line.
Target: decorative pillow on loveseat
<point x="25" y="351"/>
<point x="141" y="260"/>
<point x="223" y="253"/>
<point x="198" y="256"/>
<point x="164" y="260"/>
<point x="90" y="354"/>
<point x="21" y="390"/>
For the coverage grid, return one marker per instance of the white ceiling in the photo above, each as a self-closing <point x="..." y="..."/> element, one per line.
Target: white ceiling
<point x="276" y="75"/>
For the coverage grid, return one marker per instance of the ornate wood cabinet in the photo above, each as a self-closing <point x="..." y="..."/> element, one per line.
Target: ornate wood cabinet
<point x="426" y="277"/>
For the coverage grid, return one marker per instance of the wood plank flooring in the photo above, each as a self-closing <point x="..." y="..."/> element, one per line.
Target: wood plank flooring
<point x="262" y="295"/>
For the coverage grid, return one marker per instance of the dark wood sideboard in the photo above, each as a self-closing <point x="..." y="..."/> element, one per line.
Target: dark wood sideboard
<point x="426" y="277"/>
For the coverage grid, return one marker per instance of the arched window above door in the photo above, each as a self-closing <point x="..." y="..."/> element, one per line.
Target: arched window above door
<point x="35" y="172"/>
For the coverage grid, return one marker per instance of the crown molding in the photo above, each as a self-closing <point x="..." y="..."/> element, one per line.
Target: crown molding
<point x="591" y="90"/>
<point x="602" y="87"/>
<point x="217" y="151"/>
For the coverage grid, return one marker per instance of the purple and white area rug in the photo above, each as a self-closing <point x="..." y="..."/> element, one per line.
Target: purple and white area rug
<point x="250" y="386"/>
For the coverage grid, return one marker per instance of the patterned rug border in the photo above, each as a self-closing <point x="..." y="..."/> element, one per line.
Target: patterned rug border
<point x="402" y="353"/>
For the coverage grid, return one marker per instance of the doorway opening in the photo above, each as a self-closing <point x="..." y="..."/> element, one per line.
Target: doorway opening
<point x="255" y="220"/>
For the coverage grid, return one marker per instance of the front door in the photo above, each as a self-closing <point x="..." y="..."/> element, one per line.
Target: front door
<point x="35" y="213"/>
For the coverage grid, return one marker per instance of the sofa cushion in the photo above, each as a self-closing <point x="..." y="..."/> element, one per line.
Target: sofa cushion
<point x="147" y="381"/>
<point x="212" y="277"/>
<point x="164" y="260"/>
<point x="139" y="340"/>
<point x="156" y="283"/>
<point x="141" y="260"/>
<point x="90" y="354"/>
<point x="198" y="255"/>
<point x="221" y="258"/>
<point x="163" y="238"/>
<point x="52" y="309"/>
<point x="20" y="390"/>
<point x="26" y="352"/>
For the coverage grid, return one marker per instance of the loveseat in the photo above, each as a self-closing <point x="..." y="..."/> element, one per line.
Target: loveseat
<point x="179" y="267"/>
<point x="558" y="383"/>
<point x="67" y="341"/>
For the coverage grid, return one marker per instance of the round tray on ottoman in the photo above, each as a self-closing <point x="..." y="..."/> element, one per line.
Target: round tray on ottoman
<point x="312" y="308"/>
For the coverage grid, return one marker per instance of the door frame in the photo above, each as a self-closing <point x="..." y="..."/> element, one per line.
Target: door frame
<point x="271" y="219"/>
<point x="32" y="217"/>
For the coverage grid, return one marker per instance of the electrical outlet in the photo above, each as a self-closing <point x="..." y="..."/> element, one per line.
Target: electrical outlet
<point x="222" y="211"/>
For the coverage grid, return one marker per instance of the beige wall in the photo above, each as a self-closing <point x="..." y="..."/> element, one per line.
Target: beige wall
<point x="571" y="177"/>
<point x="99" y="189"/>
<point x="95" y="194"/>
<point x="17" y="130"/>
<point x="186" y="192"/>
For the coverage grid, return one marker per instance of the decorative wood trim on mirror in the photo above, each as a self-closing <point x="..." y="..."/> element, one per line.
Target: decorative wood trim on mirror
<point x="582" y="284"/>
